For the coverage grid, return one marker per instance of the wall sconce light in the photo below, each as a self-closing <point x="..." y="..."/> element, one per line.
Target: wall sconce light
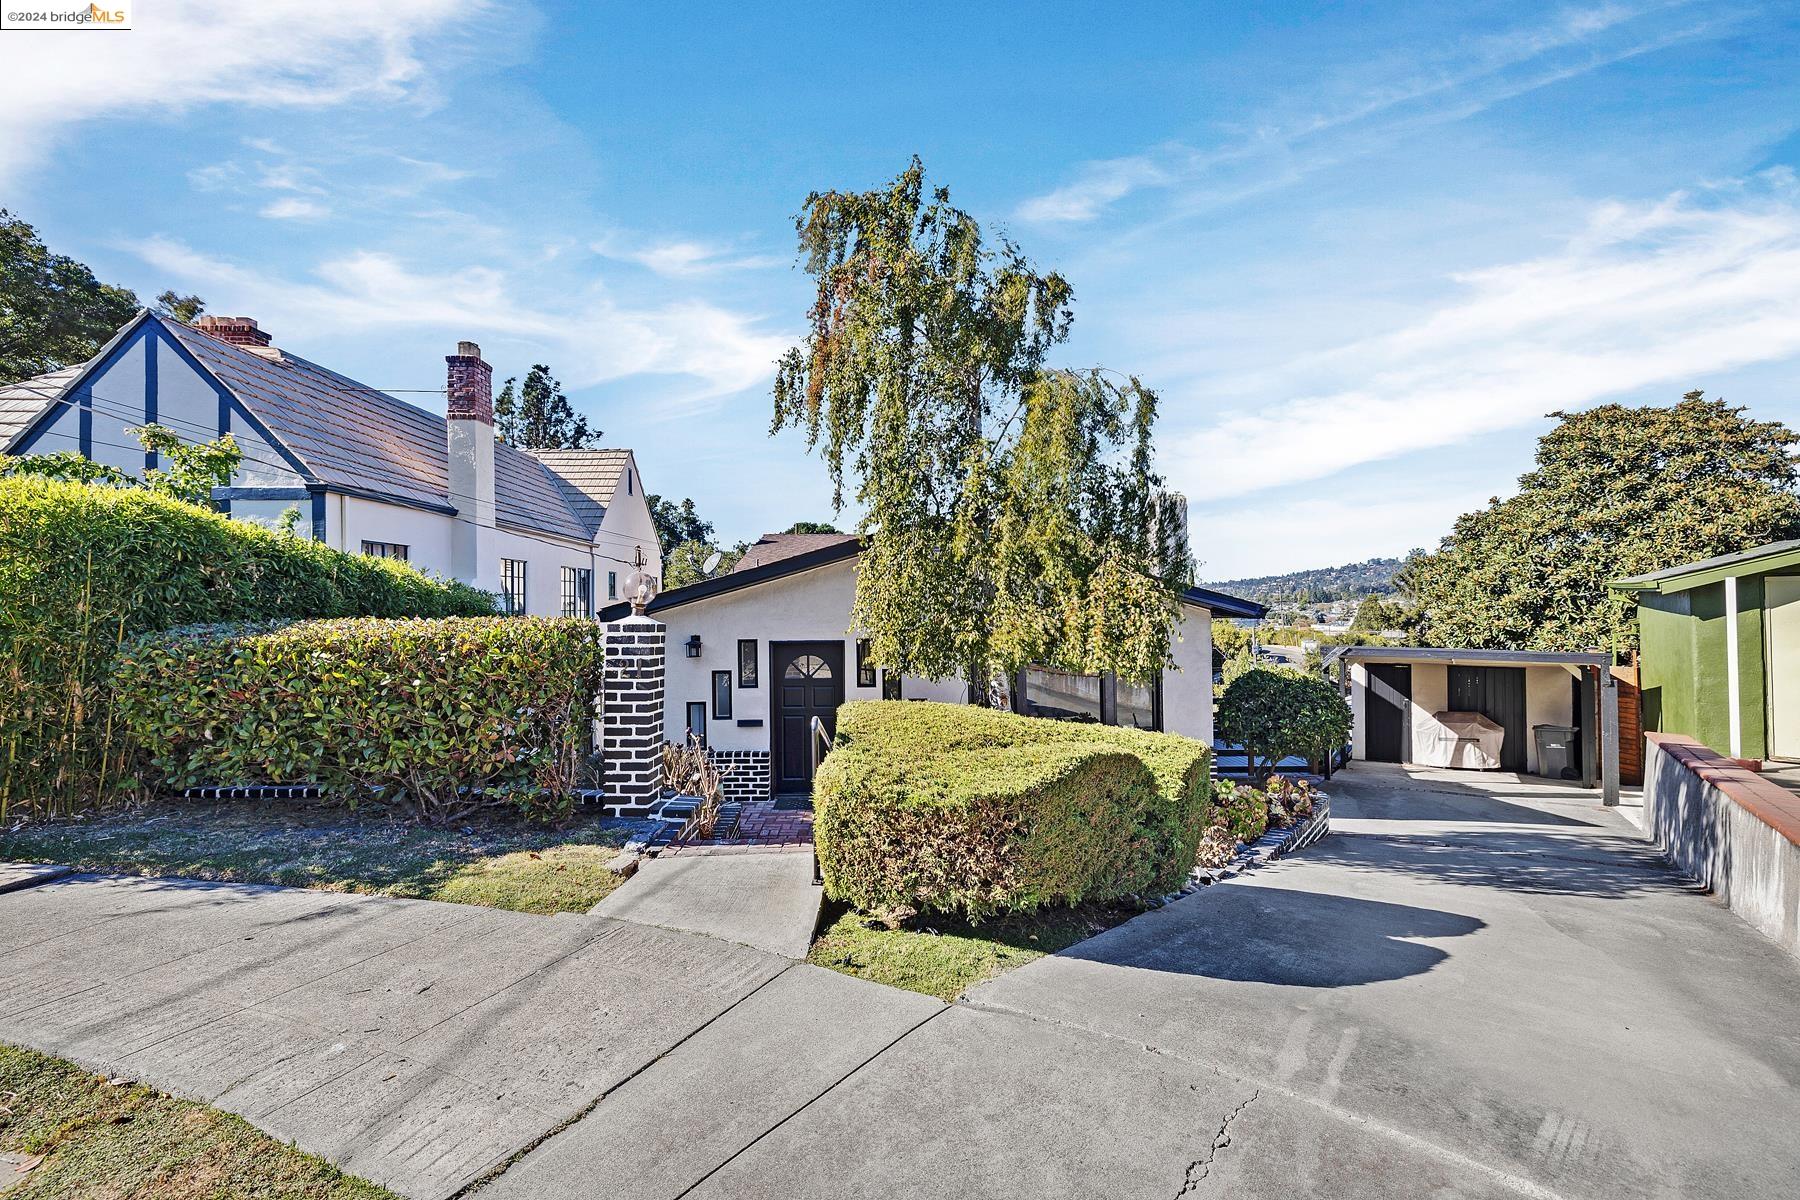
<point x="693" y="646"/>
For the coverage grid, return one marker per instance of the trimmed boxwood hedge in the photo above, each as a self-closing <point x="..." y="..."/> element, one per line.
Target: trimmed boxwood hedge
<point x="446" y="715"/>
<point x="83" y="567"/>
<point x="951" y="808"/>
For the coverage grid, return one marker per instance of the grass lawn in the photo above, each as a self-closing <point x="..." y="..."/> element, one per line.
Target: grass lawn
<point x="945" y="957"/>
<point x="99" y="1140"/>
<point x="494" y="861"/>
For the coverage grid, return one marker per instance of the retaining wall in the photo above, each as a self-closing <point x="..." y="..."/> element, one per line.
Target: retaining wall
<point x="1732" y="830"/>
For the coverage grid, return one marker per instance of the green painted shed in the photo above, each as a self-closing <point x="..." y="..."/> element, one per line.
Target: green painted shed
<point x="1720" y="650"/>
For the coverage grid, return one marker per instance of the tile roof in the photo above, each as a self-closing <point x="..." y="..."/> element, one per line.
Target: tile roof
<point x="587" y="478"/>
<point x="21" y="402"/>
<point x="352" y="436"/>
<point x="773" y="547"/>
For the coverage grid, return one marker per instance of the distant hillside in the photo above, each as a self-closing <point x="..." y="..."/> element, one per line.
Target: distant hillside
<point x="1352" y="581"/>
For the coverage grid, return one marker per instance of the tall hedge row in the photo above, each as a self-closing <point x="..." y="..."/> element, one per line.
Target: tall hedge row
<point x="83" y="568"/>
<point x="444" y="715"/>
<point x="950" y="808"/>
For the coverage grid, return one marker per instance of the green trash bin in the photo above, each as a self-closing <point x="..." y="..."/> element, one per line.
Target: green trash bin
<point x="1556" y="751"/>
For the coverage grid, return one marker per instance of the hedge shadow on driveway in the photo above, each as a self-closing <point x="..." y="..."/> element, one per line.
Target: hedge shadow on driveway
<point x="1276" y="936"/>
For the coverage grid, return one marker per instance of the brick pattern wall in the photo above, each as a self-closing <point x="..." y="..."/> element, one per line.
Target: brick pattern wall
<point x="631" y="737"/>
<point x="743" y="774"/>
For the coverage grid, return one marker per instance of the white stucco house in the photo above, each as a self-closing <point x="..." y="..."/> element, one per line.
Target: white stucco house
<point x="553" y="532"/>
<point x="753" y="655"/>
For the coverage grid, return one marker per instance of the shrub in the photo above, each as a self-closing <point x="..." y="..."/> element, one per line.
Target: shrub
<point x="950" y="808"/>
<point x="84" y="567"/>
<point x="446" y="715"/>
<point x="1278" y="712"/>
<point x="1242" y="811"/>
<point x="1290" y="800"/>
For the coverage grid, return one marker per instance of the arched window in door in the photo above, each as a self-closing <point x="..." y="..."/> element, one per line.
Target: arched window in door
<point x="808" y="666"/>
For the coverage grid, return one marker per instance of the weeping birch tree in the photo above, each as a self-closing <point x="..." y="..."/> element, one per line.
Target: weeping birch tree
<point x="1010" y="509"/>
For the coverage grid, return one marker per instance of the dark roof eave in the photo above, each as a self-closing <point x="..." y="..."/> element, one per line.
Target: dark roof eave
<point x="1217" y="602"/>
<point x="1443" y="654"/>
<point x="736" y="580"/>
<point x="1223" y="605"/>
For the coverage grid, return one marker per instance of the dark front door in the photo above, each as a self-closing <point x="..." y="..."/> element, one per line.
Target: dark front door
<point x="1497" y="693"/>
<point x="1387" y="707"/>
<point x="809" y="682"/>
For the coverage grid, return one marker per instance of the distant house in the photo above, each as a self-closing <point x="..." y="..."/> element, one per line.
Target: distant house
<point x="753" y="655"/>
<point x="1720" y="650"/>
<point x="550" y="532"/>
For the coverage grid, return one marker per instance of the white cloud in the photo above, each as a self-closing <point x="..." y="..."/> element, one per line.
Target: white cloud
<point x="292" y="208"/>
<point x="1275" y="149"/>
<point x="594" y="337"/>
<point x="1653" y="295"/>
<point x="183" y="53"/>
<point x="680" y="259"/>
<point x="1097" y="186"/>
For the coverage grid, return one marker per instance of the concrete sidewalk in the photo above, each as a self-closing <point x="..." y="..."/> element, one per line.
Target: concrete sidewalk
<point x="760" y="898"/>
<point x="417" y="1044"/>
<point x="1474" y="988"/>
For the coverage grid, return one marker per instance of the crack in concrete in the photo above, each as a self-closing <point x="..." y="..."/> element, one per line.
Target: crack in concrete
<point x="1200" y="1168"/>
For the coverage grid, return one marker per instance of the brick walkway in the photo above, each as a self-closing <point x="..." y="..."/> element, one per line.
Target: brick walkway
<point x="760" y="826"/>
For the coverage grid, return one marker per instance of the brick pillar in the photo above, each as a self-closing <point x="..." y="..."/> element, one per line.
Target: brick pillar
<point x="631" y="735"/>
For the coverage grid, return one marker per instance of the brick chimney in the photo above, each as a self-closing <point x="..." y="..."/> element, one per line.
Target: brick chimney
<point x="239" y="331"/>
<point x="470" y="384"/>
<point x="469" y="420"/>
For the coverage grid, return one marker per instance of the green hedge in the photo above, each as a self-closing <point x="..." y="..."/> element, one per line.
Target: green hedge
<point x="951" y="808"/>
<point x="444" y="715"/>
<point x="83" y="568"/>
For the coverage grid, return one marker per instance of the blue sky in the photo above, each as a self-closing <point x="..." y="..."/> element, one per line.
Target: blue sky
<point x="1360" y="249"/>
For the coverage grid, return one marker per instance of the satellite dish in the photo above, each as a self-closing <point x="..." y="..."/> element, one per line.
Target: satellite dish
<point x="711" y="564"/>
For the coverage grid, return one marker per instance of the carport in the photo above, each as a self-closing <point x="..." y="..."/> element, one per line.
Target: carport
<point x="1396" y="693"/>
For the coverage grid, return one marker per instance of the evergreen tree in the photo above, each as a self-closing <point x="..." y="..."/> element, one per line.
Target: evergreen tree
<point x="1617" y="491"/>
<point x="537" y="416"/>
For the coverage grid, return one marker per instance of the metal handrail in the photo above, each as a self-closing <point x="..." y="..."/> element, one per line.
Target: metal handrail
<point x="817" y="735"/>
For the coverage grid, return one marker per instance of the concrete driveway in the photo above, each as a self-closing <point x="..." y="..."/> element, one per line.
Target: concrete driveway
<point x="1473" y="988"/>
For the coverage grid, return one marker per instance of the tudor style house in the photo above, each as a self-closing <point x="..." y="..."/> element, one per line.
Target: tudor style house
<point x="750" y="657"/>
<point x="550" y="532"/>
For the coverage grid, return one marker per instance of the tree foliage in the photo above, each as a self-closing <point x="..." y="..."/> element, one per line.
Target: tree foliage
<point x="537" y="416"/>
<point x="1010" y="510"/>
<point x="687" y="541"/>
<point x="53" y="312"/>
<point x="1374" y="615"/>
<point x="189" y="471"/>
<point x="1278" y="712"/>
<point x="687" y="562"/>
<point x="185" y="309"/>
<point x="812" y="527"/>
<point x="678" y="523"/>
<point x="1616" y="491"/>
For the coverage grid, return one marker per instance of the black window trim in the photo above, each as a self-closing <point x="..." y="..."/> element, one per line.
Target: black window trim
<point x="506" y="585"/>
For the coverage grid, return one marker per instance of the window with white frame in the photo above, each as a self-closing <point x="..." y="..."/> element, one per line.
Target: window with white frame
<point x="577" y="592"/>
<point x="512" y="586"/>
<point x="612" y="585"/>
